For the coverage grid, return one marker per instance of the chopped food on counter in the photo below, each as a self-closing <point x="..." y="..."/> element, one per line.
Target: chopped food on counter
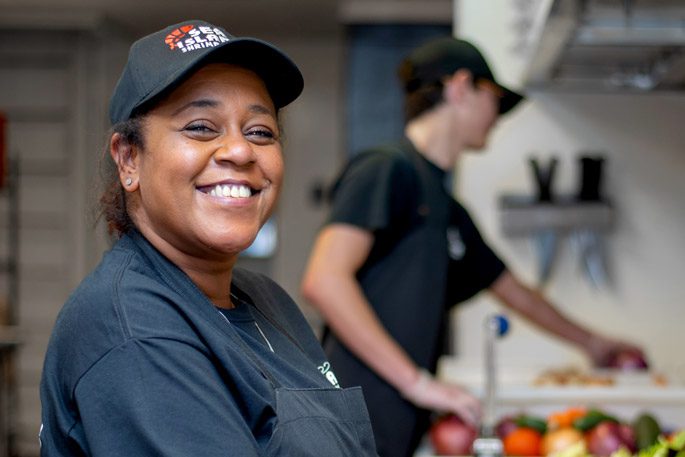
<point x="571" y="376"/>
<point x="574" y="376"/>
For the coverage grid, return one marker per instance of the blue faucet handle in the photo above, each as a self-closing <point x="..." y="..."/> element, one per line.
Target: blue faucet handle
<point x="500" y="324"/>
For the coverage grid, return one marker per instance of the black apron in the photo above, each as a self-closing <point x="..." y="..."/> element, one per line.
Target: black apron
<point x="401" y="277"/>
<point x="318" y="421"/>
<point x="331" y="422"/>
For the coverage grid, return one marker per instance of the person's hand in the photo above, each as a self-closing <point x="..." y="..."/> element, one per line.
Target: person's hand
<point x="429" y="393"/>
<point x="604" y="352"/>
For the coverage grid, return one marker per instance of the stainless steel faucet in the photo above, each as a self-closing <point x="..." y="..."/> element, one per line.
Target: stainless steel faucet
<point x="488" y="444"/>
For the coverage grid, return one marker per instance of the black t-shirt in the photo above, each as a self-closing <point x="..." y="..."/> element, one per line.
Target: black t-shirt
<point x="380" y="191"/>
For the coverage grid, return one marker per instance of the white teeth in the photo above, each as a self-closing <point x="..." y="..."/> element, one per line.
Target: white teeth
<point x="233" y="191"/>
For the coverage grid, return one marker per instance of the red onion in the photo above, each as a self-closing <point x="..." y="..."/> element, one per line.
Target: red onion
<point x="608" y="437"/>
<point x="505" y="425"/>
<point x="629" y="360"/>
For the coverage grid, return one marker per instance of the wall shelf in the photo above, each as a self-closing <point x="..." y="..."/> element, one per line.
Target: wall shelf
<point x="522" y="215"/>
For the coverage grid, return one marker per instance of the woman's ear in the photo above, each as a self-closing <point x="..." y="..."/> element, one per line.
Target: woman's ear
<point x="126" y="158"/>
<point x="457" y="85"/>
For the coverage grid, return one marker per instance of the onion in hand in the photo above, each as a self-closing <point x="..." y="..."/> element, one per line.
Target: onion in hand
<point x="628" y="360"/>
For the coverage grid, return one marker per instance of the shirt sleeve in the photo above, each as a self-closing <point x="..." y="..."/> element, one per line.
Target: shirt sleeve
<point x="160" y="396"/>
<point x="477" y="267"/>
<point x="378" y="189"/>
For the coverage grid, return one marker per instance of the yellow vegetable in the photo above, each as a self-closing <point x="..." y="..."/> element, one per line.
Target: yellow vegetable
<point x="577" y="449"/>
<point x="560" y="439"/>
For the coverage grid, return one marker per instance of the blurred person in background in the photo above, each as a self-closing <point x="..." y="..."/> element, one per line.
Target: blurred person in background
<point x="398" y="252"/>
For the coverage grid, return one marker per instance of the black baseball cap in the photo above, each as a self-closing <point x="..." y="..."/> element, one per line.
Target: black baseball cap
<point x="430" y="62"/>
<point x="162" y="60"/>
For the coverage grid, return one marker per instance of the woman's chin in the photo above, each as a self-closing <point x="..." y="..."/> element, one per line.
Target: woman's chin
<point x="228" y="244"/>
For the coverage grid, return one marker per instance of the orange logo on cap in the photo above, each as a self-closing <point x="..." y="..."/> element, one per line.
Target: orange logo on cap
<point x="176" y="35"/>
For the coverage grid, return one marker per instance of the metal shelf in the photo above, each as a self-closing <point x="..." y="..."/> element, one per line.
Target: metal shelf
<point x="523" y="215"/>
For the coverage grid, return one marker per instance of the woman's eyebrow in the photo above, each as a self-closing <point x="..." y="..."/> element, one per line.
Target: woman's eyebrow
<point x="201" y="103"/>
<point x="210" y="103"/>
<point x="260" y="109"/>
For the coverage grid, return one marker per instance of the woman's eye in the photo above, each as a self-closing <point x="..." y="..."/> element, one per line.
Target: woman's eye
<point x="261" y="134"/>
<point x="199" y="128"/>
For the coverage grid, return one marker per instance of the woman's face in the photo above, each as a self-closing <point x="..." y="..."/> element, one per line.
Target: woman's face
<point x="212" y="168"/>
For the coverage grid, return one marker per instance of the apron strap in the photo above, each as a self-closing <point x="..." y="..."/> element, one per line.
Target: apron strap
<point x="251" y="354"/>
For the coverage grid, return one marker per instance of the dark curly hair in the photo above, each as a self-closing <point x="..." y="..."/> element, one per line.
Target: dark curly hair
<point x="113" y="196"/>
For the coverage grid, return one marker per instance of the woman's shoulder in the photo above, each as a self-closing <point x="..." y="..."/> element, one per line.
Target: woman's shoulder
<point x="88" y="325"/>
<point x="102" y="307"/>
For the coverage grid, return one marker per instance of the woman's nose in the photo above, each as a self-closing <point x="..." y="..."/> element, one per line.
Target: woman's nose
<point x="235" y="149"/>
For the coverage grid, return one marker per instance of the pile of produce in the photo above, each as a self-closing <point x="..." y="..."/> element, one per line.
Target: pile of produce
<point x="573" y="432"/>
<point x="577" y="432"/>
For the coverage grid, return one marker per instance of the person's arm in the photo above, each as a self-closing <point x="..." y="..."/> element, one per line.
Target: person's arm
<point x="330" y="284"/>
<point x="537" y="309"/>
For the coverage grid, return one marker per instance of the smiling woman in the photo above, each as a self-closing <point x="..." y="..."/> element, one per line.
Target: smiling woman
<point x="209" y="173"/>
<point x="166" y="348"/>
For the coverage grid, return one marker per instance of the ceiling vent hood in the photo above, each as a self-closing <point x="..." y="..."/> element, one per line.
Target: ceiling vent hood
<point x="608" y="45"/>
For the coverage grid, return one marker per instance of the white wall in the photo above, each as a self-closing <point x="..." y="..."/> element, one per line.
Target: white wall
<point x="643" y="139"/>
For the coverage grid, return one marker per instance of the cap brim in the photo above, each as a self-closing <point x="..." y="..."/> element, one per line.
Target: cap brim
<point x="281" y="76"/>
<point x="509" y="100"/>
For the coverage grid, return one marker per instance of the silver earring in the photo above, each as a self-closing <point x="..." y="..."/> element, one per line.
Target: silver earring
<point x="129" y="181"/>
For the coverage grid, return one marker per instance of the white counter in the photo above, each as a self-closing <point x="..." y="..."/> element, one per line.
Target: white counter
<point x="630" y="394"/>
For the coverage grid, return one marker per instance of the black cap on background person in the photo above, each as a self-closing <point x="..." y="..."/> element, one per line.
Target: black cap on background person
<point x="160" y="61"/>
<point x="428" y="64"/>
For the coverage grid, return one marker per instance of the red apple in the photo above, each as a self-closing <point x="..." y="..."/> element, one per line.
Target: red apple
<point x="451" y="436"/>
